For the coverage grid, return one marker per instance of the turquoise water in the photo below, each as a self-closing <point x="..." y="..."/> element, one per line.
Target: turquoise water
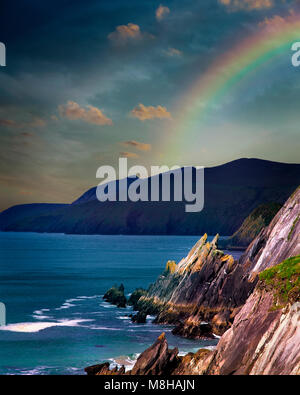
<point x="52" y="285"/>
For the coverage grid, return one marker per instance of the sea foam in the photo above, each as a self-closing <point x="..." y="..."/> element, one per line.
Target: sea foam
<point x="32" y="327"/>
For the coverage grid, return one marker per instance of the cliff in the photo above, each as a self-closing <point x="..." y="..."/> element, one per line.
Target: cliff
<point x="196" y="295"/>
<point x="258" y="219"/>
<point x="265" y="334"/>
<point x="232" y="192"/>
<point x="257" y="298"/>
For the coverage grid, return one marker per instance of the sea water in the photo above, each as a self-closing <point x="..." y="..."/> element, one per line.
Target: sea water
<point x="53" y="285"/>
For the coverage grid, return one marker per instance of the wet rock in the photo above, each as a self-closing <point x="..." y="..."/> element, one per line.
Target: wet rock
<point x="115" y="296"/>
<point x="139" y="318"/>
<point x="103" y="370"/>
<point x="157" y="359"/>
<point x="135" y="296"/>
<point x="194" y="330"/>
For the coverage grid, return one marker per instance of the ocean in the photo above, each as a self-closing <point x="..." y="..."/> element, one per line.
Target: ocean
<point x="52" y="286"/>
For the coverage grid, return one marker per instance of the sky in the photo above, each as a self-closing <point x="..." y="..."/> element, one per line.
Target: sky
<point x="87" y="82"/>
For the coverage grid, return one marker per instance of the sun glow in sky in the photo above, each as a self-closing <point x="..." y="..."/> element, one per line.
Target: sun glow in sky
<point x="88" y="82"/>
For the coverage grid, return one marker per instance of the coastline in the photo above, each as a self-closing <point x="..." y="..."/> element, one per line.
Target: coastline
<point x="253" y="304"/>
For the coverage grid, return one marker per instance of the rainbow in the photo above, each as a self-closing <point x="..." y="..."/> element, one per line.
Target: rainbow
<point x="228" y="71"/>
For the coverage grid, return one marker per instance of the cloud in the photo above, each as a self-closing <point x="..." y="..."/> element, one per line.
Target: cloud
<point x="93" y="115"/>
<point x="7" y="122"/>
<point x="143" y="113"/>
<point x="139" y="146"/>
<point x="276" y="21"/>
<point x="124" y="154"/>
<point x="127" y="33"/>
<point x="35" y="123"/>
<point x="249" y="5"/>
<point x="27" y="134"/>
<point x="162" y="12"/>
<point x="173" y="52"/>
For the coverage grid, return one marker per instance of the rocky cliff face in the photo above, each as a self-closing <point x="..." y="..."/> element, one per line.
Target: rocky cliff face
<point x="197" y="294"/>
<point x="258" y="298"/>
<point x="265" y="335"/>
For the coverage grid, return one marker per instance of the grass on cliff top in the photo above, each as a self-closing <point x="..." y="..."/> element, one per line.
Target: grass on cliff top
<point x="284" y="279"/>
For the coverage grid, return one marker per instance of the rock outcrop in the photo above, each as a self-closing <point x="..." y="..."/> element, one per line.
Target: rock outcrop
<point x="197" y="294"/>
<point x="115" y="295"/>
<point x="257" y="298"/>
<point x="139" y="318"/>
<point x="264" y="337"/>
<point x="135" y="296"/>
<point x="103" y="369"/>
<point x="156" y="360"/>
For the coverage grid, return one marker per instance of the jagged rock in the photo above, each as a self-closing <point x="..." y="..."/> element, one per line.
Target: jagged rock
<point x="157" y="359"/>
<point x="197" y="289"/>
<point x="171" y="266"/>
<point x="193" y="329"/>
<point x="261" y="294"/>
<point x="115" y="296"/>
<point x="135" y="296"/>
<point x="265" y="335"/>
<point x="103" y="370"/>
<point x="139" y="318"/>
<point x="220" y="321"/>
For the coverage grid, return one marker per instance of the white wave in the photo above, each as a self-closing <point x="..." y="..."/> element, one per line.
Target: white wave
<point x="40" y="312"/>
<point x="72" y="300"/>
<point x="127" y="361"/>
<point x="103" y="328"/>
<point x="41" y="317"/>
<point x="182" y="353"/>
<point x="107" y="305"/>
<point x="151" y="317"/>
<point x="32" y="327"/>
<point x="33" y="372"/>
<point x="123" y="317"/>
<point x="210" y="348"/>
<point x="90" y="297"/>
<point x="65" y="306"/>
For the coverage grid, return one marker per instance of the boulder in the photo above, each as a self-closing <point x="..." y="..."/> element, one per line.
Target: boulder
<point x="139" y="318"/>
<point x="115" y="296"/>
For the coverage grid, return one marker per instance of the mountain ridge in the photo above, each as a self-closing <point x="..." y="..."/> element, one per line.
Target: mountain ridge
<point x="232" y="191"/>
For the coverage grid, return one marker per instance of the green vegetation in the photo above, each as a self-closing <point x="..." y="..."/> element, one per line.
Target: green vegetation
<point x="259" y="218"/>
<point x="135" y="297"/>
<point x="115" y="295"/>
<point x="284" y="280"/>
<point x="292" y="228"/>
<point x="266" y="211"/>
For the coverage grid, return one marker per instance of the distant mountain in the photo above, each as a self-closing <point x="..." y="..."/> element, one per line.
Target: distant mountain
<point x="232" y="192"/>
